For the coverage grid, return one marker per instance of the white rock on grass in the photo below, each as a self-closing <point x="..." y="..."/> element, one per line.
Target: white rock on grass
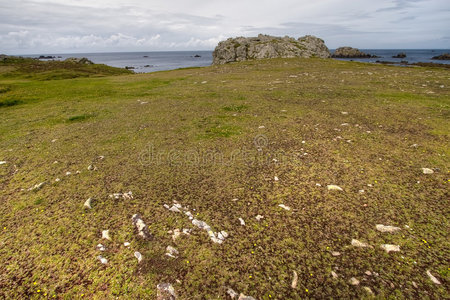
<point x="334" y="275"/>
<point x="38" y="186"/>
<point x="88" y="203"/>
<point x="242" y="221"/>
<point x="244" y="297"/>
<point x="259" y="217"/>
<point x="100" y="247"/>
<point x="68" y="173"/>
<point x="284" y="207"/>
<point x="176" y="234"/>
<point x="390" y="248"/>
<point x="353" y="281"/>
<point x="102" y="259"/>
<point x="432" y="278"/>
<point x="427" y="171"/>
<point x="333" y="187"/>
<point x="125" y="196"/>
<point x="172" y="252"/>
<point x="2" y="162"/>
<point x="165" y="291"/>
<point x="232" y="293"/>
<point x="105" y="235"/>
<point x="126" y="244"/>
<point x="335" y="253"/>
<point x="294" y="280"/>
<point x="368" y="290"/>
<point x="384" y="228"/>
<point x="57" y="180"/>
<point x="356" y="243"/>
<point x="141" y="227"/>
<point x="138" y="255"/>
<point x="275" y="178"/>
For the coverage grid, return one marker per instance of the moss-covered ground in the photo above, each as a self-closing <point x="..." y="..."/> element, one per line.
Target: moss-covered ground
<point x="214" y="139"/>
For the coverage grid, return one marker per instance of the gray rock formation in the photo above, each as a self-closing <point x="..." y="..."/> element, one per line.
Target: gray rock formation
<point x="81" y="60"/>
<point x="445" y="56"/>
<point x="349" y="52"/>
<point x="266" y="46"/>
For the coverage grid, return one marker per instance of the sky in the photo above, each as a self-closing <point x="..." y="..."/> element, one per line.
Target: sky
<point x="84" y="26"/>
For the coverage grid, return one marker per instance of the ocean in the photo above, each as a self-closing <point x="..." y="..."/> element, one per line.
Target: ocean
<point x="146" y="62"/>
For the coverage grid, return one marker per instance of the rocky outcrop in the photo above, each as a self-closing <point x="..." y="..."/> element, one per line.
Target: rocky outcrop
<point x="266" y="46"/>
<point x="445" y="56"/>
<point x="349" y="52"/>
<point x="81" y="60"/>
<point x="400" y="55"/>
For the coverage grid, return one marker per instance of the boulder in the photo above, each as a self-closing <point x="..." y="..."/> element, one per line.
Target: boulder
<point x="349" y="52"/>
<point x="445" y="56"/>
<point x="266" y="46"/>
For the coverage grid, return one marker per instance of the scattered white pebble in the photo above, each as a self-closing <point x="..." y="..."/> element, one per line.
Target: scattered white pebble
<point x="427" y="171"/>
<point x="318" y="184"/>
<point x="388" y="248"/>
<point x="105" y="234"/>
<point x="37" y="186"/>
<point x="344" y="112"/>
<point x="232" y="293"/>
<point x="100" y="247"/>
<point x="176" y="234"/>
<point x="335" y="253"/>
<point x="284" y="206"/>
<point x="87" y="203"/>
<point x="259" y="217"/>
<point x="353" y="281"/>
<point x="359" y="244"/>
<point x="333" y="187"/>
<point x="203" y="82"/>
<point x="383" y="228"/>
<point x="140" y="226"/>
<point x="138" y="255"/>
<point x="54" y="140"/>
<point x="361" y="191"/>
<point x="368" y="290"/>
<point x="68" y="173"/>
<point x="102" y="259"/>
<point x="126" y="244"/>
<point x="334" y="275"/>
<point x="57" y="180"/>
<point x="90" y="168"/>
<point x="261" y="127"/>
<point x="294" y="280"/>
<point x="171" y="251"/>
<point x="55" y="162"/>
<point x="242" y="221"/>
<point x="275" y="178"/>
<point x="2" y="162"/>
<point x="434" y="279"/>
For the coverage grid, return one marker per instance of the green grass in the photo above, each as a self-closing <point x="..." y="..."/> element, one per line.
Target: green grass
<point x="216" y="147"/>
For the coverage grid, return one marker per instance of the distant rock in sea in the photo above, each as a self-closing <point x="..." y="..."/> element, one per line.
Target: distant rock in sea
<point x="400" y="55"/>
<point x="445" y="56"/>
<point x="349" y="52"/>
<point x="266" y="46"/>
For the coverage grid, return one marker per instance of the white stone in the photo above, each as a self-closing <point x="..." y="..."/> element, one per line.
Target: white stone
<point x="100" y="247"/>
<point x="259" y="217"/>
<point x="242" y="221"/>
<point x="427" y="171"/>
<point x="68" y="173"/>
<point x="37" y="186"/>
<point x="138" y="255"/>
<point x="87" y="203"/>
<point x="105" y="234"/>
<point x="102" y="259"/>
<point x="57" y="180"/>
<point x="388" y="248"/>
<point x="284" y="207"/>
<point x="294" y="280"/>
<point x="171" y="251"/>
<point x="2" y="162"/>
<point x="333" y="187"/>
<point x="433" y="279"/>
<point x="353" y="281"/>
<point x="356" y="243"/>
<point x="275" y="178"/>
<point x="383" y="228"/>
<point x="126" y="244"/>
<point x="335" y="253"/>
<point x="232" y="293"/>
<point x="334" y="275"/>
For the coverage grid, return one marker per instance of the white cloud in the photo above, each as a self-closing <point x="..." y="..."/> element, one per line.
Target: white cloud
<point x="52" y="26"/>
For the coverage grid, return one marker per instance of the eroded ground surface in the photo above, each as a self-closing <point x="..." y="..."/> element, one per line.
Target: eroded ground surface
<point x="229" y="145"/>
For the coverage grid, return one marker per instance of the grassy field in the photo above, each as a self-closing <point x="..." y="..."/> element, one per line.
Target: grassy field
<point x="225" y="142"/>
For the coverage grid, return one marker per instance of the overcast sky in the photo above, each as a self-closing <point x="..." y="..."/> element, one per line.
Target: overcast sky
<point x="76" y="26"/>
